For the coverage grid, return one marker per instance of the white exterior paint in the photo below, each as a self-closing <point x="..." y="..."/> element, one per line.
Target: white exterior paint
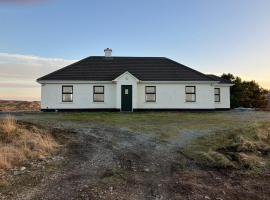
<point x="169" y="95"/>
<point x="224" y="96"/>
<point x="172" y="96"/>
<point x="51" y="96"/>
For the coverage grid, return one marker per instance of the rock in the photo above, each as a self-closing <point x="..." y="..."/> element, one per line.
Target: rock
<point x="22" y="168"/>
<point x="147" y="170"/>
<point x="207" y="197"/>
<point x="16" y="173"/>
<point x="111" y="189"/>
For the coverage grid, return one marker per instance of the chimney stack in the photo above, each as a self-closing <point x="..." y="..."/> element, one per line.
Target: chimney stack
<point x="108" y="52"/>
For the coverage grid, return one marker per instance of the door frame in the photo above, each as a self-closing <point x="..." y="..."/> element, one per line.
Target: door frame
<point x="131" y="86"/>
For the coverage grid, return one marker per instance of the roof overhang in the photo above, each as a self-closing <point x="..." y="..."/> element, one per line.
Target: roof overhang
<point x="180" y="82"/>
<point x="224" y="84"/>
<point x="72" y="81"/>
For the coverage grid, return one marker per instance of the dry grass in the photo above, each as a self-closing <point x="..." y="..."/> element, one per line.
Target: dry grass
<point x="19" y="143"/>
<point x="11" y="105"/>
<point x="244" y="148"/>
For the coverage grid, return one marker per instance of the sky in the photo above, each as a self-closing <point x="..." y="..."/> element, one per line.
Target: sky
<point x="211" y="36"/>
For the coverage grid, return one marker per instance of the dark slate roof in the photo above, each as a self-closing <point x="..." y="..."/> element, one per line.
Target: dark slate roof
<point x="221" y="80"/>
<point x="100" y="68"/>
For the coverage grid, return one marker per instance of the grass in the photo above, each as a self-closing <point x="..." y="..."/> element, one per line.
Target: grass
<point x="19" y="143"/>
<point x="238" y="148"/>
<point x="163" y="125"/>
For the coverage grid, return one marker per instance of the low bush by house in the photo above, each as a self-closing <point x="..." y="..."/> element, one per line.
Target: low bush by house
<point x="19" y="142"/>
<point x="244" y="148"/>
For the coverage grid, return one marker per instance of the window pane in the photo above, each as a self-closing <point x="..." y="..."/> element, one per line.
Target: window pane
<point x="190" y="97"/>
<point x="217" y="91"/>
<point x="190" y="89"/>
<point x="99" y="89"/>
<point x="67" y="97"/>
<point x="150" y="89"/>
<point x="217" y="98"/>
<point x="150" y="97"/>
<point x="99" y="97"/>
<point x="67" y="89"/>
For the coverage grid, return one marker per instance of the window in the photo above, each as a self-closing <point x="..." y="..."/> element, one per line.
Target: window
<point x="190" y="94"/>
<point x="150" y="93"/>
<point x="67" y="93"/>
<point x="98" y="95"/>
<point x="217" y="94"/>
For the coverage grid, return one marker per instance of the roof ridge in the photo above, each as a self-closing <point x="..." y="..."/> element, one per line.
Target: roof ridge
<point x="148" y="68"/>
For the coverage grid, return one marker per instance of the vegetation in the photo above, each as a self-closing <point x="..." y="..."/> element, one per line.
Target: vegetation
<point x="10" y="105"/>
<point x="19" y="143"/>
<point x="240" y="148"/>
<point x="163" y="125"/>
<point x="246" y="93"/>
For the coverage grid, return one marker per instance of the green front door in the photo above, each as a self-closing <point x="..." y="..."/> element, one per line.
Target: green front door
<point x="126" y="98"/>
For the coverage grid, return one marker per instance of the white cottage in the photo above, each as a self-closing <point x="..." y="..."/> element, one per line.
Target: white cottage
<point x="132" y="84"/>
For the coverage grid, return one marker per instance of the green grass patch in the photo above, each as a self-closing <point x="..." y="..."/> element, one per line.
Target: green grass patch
<point x="163" y="125"/>
<point x="239" y="148"/>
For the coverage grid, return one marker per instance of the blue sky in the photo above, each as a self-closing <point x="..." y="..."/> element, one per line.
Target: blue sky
<point x="211" y="36"/>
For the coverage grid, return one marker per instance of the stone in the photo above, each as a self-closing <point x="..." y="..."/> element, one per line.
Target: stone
<point x="23" y="168"/>
<point x="147" y="170"/>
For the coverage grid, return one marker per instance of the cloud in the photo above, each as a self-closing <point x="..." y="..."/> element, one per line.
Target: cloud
<point x="19" y="72"/>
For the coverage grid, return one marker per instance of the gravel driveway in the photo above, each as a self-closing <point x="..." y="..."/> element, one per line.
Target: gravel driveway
<point x="106" y="160"/>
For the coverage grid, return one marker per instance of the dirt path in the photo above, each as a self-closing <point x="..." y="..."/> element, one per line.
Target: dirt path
<point x="105" y="160"/>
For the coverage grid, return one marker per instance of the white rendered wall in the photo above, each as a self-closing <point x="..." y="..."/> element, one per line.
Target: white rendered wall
<point x="224" y="97"/>
<point x="168" y="95"/>
<point x="51" y="97"/>
<point x="172" y="96"/>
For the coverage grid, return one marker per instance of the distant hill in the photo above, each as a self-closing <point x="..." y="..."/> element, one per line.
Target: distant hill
<point x="13" y="105"/>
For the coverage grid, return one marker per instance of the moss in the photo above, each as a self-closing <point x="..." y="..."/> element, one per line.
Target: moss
<point x="3" y="184"/>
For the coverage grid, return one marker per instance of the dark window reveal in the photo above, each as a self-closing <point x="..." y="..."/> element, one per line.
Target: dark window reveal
<point x="67" y="93"/>
<point x="190" y="94"/>
<point x="150" y="93"/>
<point x="217" y="94"/>
<point x="98" y="95"/>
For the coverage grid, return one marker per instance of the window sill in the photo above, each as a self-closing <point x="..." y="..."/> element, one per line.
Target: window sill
<point x="150" y="102"/>
<point x="190" y="102"/>
<point x="98" y="102"/>
<point x="67" y="102"/>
